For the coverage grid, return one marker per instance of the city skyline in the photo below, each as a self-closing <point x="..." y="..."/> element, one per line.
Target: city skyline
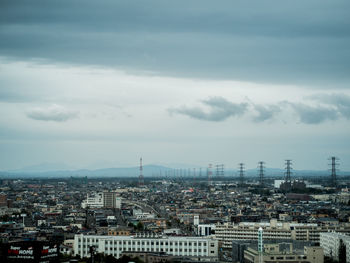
<point x="97" y="85"/>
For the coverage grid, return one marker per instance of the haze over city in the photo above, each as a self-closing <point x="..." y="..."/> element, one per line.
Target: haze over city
<point x="174" y="131"/>
<point x="91" y="84"/>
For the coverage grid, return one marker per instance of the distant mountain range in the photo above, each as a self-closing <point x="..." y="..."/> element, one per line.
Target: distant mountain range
<point x="148" y="171"/>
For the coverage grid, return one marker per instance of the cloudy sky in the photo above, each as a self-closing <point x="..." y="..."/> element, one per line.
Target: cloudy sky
<point x="93" y="84"/>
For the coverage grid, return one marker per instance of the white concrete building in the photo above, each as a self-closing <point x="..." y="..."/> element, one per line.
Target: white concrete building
<point x="172" y="231"/>
<point x="330" y="242"/>
<point x="277" y="183"/>
<point x="102" y="199"/>
<point x="228" y="232"/>
<point x="196" y="220"/>
<point x="94" y="200"/>
<point x="194" y="247"/>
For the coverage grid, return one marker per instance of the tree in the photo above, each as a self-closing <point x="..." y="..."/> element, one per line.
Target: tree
<point x="110" y="259"/>
<point x="126" y="259"/>
<point x="139" y="226"/>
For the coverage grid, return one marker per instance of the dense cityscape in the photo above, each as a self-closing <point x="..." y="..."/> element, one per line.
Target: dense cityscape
<point x="200" y="217"/>
<point x="184" y="131"/>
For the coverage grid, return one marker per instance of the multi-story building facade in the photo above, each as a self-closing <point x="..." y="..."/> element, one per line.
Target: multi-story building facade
<point x="274" y="254"/>
<point x="111" y="200"/>
<point x="331" y="242"/>
<point x="102" y="199"/>
<point x="191" y="247"/>
<point x="228" y="232"/>
<point x="205" y="229"/>
<point x="94" y="200"/>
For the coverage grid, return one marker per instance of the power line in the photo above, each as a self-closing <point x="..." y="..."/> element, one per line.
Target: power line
<point x="261" y="173"/>
<point x="241" y="173"/>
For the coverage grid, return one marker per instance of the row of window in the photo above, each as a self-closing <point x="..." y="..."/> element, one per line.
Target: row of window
<point x="161" y="249"/>
<point x="162" y="243"/>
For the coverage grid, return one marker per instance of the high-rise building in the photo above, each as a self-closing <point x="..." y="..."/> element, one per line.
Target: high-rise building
<point x="99" y="200"/>
<point x="111" y="200"/>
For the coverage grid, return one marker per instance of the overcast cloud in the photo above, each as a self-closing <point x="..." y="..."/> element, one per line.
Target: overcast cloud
<point x="298" y="42"/>
<point x="85" y="82"/>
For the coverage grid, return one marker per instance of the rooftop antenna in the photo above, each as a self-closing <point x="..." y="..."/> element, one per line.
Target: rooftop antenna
<point x="141" y="178"/>
<point x="261" y="173"/>
<point x="241" y="173"/>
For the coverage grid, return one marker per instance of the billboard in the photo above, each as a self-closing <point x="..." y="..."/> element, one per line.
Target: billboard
<point x="30" y="251"/>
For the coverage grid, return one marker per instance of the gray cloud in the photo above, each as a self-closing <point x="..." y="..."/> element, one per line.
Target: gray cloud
<point x="265" y="112"/>
<point x="219" y="110"/>
<point x="340" y="101"/>
<point x="314" y="114"/>
<point x="273" y="42"/>
<point x="55" y="113"/>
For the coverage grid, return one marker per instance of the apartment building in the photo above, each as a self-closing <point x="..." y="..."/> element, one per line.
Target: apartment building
<point x="102" y="199"/>
<point x="228" y="232"/>
<point x="192" y="247"/>
<point x="284" y="253"/>
<point x="93" y="200"/>
<point x="330" y="242"/>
